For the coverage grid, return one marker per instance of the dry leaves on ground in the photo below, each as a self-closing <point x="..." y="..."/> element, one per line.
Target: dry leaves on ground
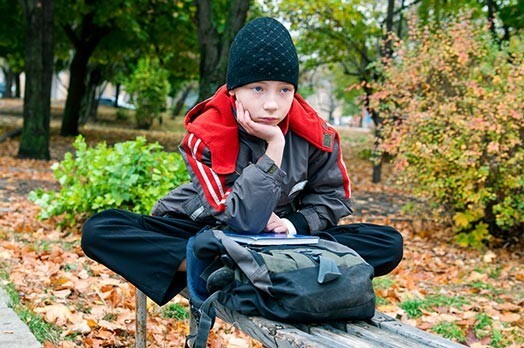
<point x="437" y="286"/>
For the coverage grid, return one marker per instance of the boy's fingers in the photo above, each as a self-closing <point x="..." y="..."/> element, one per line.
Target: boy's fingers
<point x="280" y="229"/>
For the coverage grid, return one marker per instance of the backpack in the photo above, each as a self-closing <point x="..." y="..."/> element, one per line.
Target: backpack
<point x="291" y="283"/>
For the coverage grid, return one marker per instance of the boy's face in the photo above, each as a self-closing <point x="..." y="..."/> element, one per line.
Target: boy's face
<point x="267" y="102"/>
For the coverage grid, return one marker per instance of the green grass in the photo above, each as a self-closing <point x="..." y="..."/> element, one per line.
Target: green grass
<point x="490" y="291"/>
<point x="450" y="331"/>
<point x="175" y="311"/>
<point x="414" y="307"/>
<point x="382" y="282"/>
<point x="42" y="330"/>
<point x="379" y="284"/>
<point x="110" y="317"/>
<point x="380" y="301"/>
<point x="482" y="326"/>
<point x="494" y="273"/>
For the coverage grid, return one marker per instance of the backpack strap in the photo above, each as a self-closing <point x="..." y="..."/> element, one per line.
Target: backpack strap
<point x="327" y="270"/>
<point x="257" y="273"/>
<point x="202" y="320"/>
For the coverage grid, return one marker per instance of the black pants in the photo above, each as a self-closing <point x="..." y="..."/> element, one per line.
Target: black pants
<point x="147" y="250"/>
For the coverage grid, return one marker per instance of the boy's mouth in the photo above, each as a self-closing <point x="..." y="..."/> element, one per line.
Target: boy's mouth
<point x="268" y="120"/>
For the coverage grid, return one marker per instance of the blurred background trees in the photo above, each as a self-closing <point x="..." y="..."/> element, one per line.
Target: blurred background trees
<point x="354" y="51"/>
<point x="453" y="104"/>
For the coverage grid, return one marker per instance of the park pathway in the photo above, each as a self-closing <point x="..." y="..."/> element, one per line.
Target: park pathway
<point x="13" y="332"/>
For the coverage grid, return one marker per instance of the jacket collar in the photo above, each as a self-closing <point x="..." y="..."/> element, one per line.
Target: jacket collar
<point x="213" y="121"/>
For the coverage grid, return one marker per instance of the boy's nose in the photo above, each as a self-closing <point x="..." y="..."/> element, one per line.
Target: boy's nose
<point x="270" y="105"/>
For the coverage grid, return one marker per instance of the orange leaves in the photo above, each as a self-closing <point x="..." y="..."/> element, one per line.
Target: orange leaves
<point x="477" y="293"/>
<point x="58" y="314"/>
<point x="95" y="308"/>
<point x="89" y="304"/>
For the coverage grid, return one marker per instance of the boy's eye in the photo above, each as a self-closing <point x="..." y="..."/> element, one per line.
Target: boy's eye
<point x="257" y="89"/>
<point x="286" y="90"/>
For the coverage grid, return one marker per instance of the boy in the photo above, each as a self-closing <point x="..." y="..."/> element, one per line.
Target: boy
<point x="260" y="158"/>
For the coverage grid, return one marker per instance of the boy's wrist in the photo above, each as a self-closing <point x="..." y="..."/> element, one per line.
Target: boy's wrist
<point x="267" y="165"/>
<point x="291" y="230"/>
<point x="275" y="151"/>
<point x="299" y="222"/>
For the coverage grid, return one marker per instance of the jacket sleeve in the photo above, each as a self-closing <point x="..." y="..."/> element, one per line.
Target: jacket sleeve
<point x="245" y="203"/>
<point x="326" y="196"/>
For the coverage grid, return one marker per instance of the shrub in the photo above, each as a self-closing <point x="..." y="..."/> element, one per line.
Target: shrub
<point x="453" y="103"/>
<point x="149" y="87"/>
<point x="130" y="175"/>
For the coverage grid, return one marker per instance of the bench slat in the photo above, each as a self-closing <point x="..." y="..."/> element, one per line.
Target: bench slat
<point x="295" y="338"/>
<point x="271" y="333"/>
<point x="335" y="335"/>
<point x="423" y="338"/>
<point x="382" y="337"/>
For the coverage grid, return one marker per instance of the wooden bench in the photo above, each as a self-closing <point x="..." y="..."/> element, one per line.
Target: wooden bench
<point x="380" y="331"/>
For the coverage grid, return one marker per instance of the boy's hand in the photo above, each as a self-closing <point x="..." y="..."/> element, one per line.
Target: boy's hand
<point x="269" y="133"/>
<point x="275" y="224"/>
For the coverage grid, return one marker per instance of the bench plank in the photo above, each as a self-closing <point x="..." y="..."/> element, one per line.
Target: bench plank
<point x="381" y="331"/>
<point x="423" y="338"/>
<point x="334" y="335"/>
<point x="381" y="337"/>
<point x="271" y="333"/>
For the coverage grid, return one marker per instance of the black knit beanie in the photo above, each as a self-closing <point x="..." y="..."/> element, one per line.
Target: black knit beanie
<point x="262" y="51"/>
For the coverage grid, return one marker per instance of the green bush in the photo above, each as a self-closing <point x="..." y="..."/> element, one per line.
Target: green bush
<point x="149" y="88"/>
<point x="130" y="175"/>
<point x="452" y="103"/>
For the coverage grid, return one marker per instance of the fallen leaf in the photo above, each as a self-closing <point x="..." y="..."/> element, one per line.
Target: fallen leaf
<point x="489" y="256"/>
<point x="62" y="293"/>
<point x="519" y="276"/>
<point x="506" y="306"/>
<point x="476" y="276"/>
<point x="82" y="328"/>
<point x="478" y="345"/>
<point x="236" y="342"/>
<point x="509" y="317"/>
<point x="57" y="313"/>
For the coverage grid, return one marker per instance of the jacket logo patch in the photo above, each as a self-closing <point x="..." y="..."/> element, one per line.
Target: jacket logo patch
<point x="327" y="140"/>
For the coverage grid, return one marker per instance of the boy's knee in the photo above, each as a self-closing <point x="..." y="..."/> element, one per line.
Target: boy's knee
<point x="91" y="231"/>
<point x="394" y="249"/>
<point x="397" y="247"/>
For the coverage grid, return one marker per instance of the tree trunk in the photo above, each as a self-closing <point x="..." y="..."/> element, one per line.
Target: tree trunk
<point x="388" y="45"/>
<point x="18" y="86"/>
<point x="117" y="94"/>
<point x="400" y="21"/>
<point x="85" y="43"/>
<point x="387" y="52"/>
<point x="34" y="142"/>
<point x="214" y="47"/>
<point x="9" y="78"/>
<point x="4" y="70"/>
<point x="89" y="102"/>
<point x="177" y="109"/>
<point x="75" y="93"/>
<point x="378" y="157"/>
<point x="376" y="176"/>
<point x="491" y="19"/>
